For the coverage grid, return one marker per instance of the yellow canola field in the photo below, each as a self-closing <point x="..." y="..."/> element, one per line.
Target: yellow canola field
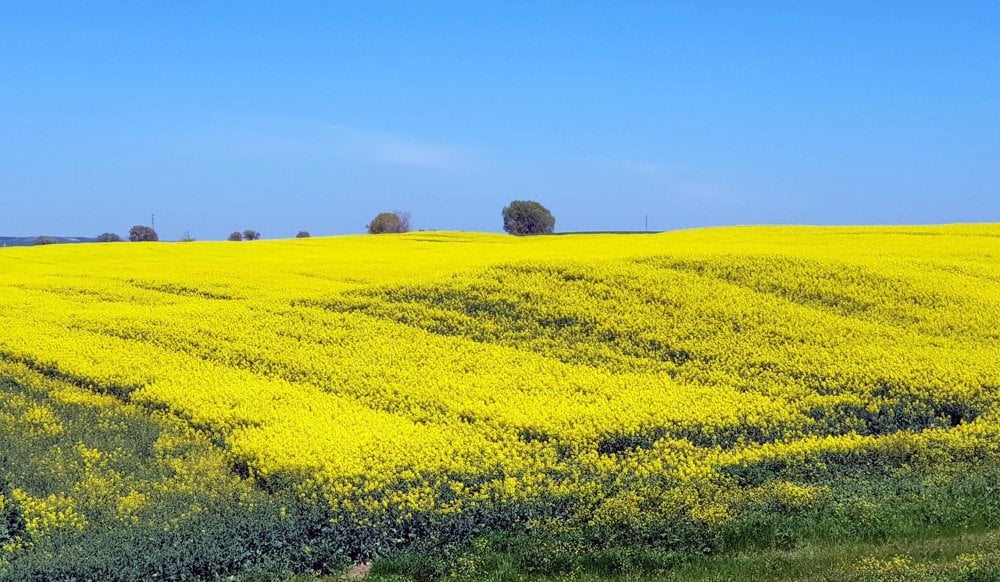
<point x="631" y="374"/>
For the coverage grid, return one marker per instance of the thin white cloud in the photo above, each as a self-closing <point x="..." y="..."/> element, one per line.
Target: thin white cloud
<point x="409" y="153"/>
<point x="644" y="167"/>
<point x="673" y="180"/>
<point x="283" y="143"/>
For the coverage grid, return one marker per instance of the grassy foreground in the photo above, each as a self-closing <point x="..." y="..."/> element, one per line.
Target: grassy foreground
<point x="742" y="402"/>
<point x="967" y="557"/>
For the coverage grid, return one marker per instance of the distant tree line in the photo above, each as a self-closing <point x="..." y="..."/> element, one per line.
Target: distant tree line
<point x="520" y="217"/>
<point x="248" y="234"/>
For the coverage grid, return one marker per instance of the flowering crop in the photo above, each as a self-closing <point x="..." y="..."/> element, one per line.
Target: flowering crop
<point x="640" y="378"/>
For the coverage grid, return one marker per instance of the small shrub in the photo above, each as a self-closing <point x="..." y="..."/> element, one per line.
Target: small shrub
<point x="895" y="569"/>
<point x="979" y="568"/>
<point x="11" y="519"/>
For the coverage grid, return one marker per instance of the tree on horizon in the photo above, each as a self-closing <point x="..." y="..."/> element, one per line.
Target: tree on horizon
<point x="142" y="233"/>
<point x="527" y="217"/>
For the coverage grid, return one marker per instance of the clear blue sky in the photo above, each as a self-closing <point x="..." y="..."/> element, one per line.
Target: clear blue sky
<point x="283" y="116"/>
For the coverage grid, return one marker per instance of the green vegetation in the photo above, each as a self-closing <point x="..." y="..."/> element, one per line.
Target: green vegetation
<point x="527" y="217"/>
<point x="120" y="492"/>
<point x="911" y="523"/>
<point x="961" y="557"/>
<point x="390" y="222"/>
<point x="141" y="233"/>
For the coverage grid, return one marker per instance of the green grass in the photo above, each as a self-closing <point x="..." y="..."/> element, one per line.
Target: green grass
<point x="875" y="524"/>
<point x="968" y="557"/>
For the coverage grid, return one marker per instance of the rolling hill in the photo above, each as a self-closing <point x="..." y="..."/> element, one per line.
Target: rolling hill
<point x="288" y="406"/>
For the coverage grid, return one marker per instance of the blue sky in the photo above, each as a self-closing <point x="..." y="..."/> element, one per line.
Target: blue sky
<point x="283" y="116"/>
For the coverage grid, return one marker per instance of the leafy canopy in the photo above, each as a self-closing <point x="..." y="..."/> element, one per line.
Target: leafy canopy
<point x="527" y="217"/>
<point x="141" y="233"/>
<point x="390" y="222"/>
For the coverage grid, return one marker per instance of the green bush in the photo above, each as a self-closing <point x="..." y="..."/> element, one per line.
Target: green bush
<point x="11" y="518"/>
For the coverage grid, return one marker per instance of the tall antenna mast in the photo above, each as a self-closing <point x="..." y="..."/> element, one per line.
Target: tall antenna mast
<point x="647" y="223"/>
<point x="152" y="221"/>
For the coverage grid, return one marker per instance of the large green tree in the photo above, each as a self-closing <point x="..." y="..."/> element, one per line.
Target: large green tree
<point x="140" y="233"/>
<point x="390" y="222"/>
<point x="527" y="217"/>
